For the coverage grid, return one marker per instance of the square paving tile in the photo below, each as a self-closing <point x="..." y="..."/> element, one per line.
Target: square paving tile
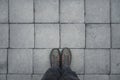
<point x="3" y="61"/>
<point x="97" y="61"/>
<point x="20" y="61"/>
<point x="2" y="77"/>
<point x="115" y="61"/>
<point x="46" y="35"/>
<point x="18" y="77"/>
<point x="41" y="60"/>
<point x="46" y="10"/>
<point x="21" y="11"/>
<point x="96" y="77"/>
<point x="73" y="35"/>
<point x="115" y="11"/>
<point x="77" y="63"/>
<point x="98" y="36"/>
<point x="97" y="11"/>
<point x="22" y="36"/>
<point x="3" y="11"/>
<point x="115" y="35"/>
<point x="72" y="11"/>
<point x="4" y="35"/>
<point x="115" y="77"/>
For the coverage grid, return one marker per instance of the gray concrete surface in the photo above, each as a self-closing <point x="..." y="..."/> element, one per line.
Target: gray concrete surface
<point x="97" y="61"/>
<point x="72" y="11"/>
<point x="115" y="11"/>
<point x="98" y="36"/>
<point x="21" y="36"/>
<point x="115" y="36"/>
<point x="4" y="35"/>
<point x="3" y="11"/>
<point x="2" y="77"/>
<point x="29" y="29"/>
<point x="96" y="77"/>
<point x="3" y="60"/>
<point x="21" y="11"/>
<point x="46" y="35"/>
<point x="20" y="61"/>
<point x="46" y="11"/>
<point x="97" y="11"/>
<point x="72" y="34"/>
<point x="115" y="61"/>
<point x="18" y="77"/>
<point x="114" y="77"/>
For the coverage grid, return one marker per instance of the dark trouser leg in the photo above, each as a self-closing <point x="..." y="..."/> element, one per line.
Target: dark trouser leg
<point x="68" y="74"/>
<point x="52" y="74"/>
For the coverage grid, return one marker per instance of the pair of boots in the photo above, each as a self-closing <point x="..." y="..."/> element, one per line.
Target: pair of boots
<point x="60" y="66"/>
<point x="62" y="59"/>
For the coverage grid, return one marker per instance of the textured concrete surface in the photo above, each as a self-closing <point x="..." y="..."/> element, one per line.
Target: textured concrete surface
<point x="18" y="77"/>
<point x="41" y="60"/>
<point x="46" y="35"/>
<point x="115" y="11"/>
<point x="2" y="77"/>
<point x="115" y="61"/>
<point x="29" y="29"/>
<point x="98" y="36"/>
<point x="3" y="60"/>
<point x="72" y="11"/>
<point x="77" y="64"/>
<point x="114" y="77"/>
<point x="97" y="11"/>
<point x="20" y="61"/>
<point x="97" y="61"/>
<point x="46" y="10"/>
<point x="72" y="34"/>
<point x="3" y="11"/>
<point x="115" y="35"/>
<point x="22" y="36"/>
<point x="4" y="35"/>
<point x="96" y="77"/>
<point x="21" y="11"/>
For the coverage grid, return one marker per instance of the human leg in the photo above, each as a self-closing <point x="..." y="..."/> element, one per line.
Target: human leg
<point x="67" y="73"/>
<point x="54" y="72"/>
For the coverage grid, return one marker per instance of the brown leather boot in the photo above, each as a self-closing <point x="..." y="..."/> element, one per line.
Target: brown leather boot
<point x="66" y="57"/>
<point x="55" y="58"/>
